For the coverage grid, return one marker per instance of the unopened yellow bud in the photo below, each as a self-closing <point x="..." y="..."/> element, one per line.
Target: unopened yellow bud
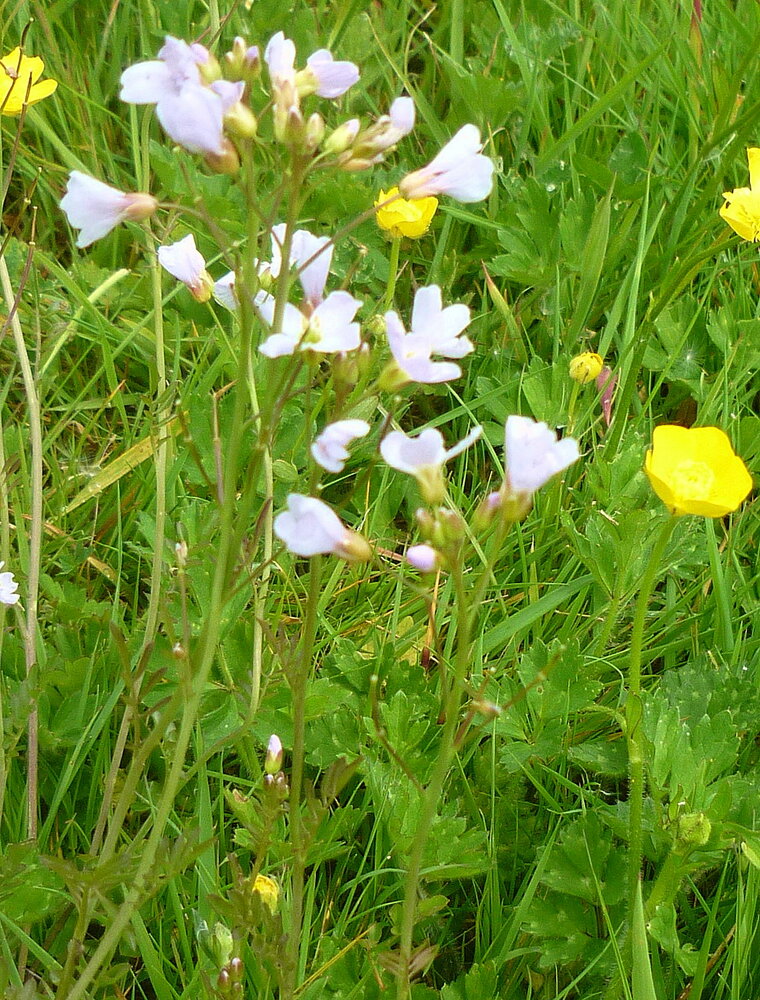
<point x="586" y="367"/>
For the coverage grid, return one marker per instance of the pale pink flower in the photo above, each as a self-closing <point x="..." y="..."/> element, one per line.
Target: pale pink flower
<point x="311" y="255"/>
<point x="8" y="588"/>
<point x="329" y="329"/>
<point x="330" y="448"/>
<point x="435" y="331"/>
<point x="459" y="170"/>
<point x="423" y="558"/>
<point x="96" y="208"/>
<point x="424" y="457"/>
<point x="372" y="144"/>
<point x="533" y="454"/>
<point x="185" y="263"/>
<point x="224" y="291"/>
<point x="309" y="528"/>
<point x="326" y="77"/>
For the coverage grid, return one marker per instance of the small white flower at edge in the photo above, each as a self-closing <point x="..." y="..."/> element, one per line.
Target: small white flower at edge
<point x="329" y="448"/>
<point x="459" y="170"/>
<point x="8" y="588"/>
<point x="424" y="457"/>
<point x="96" y="208"/>
<point x="185" y="263"/>
<point x="309" y="528"/>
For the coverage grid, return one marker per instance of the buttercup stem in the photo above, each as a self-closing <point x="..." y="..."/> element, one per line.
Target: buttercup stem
<point x="390" y="288"/>
<point x="634" y="713"/>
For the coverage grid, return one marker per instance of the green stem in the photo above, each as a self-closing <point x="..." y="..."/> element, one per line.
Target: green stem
<point x="390" y="289"/>
<point x="298" y="679"/>
<point x="35" y="538"/>
<point x="634" y="710"/>
<point x="432" y="794"/>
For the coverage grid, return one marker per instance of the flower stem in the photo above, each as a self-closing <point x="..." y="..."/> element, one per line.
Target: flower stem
<point x="432" y="794"/>
<point x="390" y="289"/>
<point x="634" y="711"/>
<point x="35" y="537"/>
<point x="298" y="679"/>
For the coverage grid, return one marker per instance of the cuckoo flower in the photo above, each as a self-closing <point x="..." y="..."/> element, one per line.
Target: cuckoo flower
<point x="191" y="113"/>
<point x="694" y="470"/>
<point x="8" y="588"/>
<point x="424" y="457"/>
<point x="423" y="558"/>
<point x="328" y="329"/>
<point x="309" y="528"/>
<point x="370" y="146"/>
<point x="19" y="86"/>
<point x="184" y="262"/>
<point x="95" y="208"/>
<point x="435" y="331"/>
<point x="329" y="449"/>
<point x="459" y="170"/>
<point x="742" y="205"/>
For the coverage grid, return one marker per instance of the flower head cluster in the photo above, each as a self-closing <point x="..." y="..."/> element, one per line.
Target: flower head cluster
<point x="435" y="331"/>
<point x="402" y="217"/>
<point x="694" y="470"/>
<point x="20" y="83"/>
<point x="742" y="205"/>
<point x="8" y="588"/>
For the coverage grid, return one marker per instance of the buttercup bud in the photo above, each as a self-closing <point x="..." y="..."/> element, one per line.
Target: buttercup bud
<point x="585" y="367"/>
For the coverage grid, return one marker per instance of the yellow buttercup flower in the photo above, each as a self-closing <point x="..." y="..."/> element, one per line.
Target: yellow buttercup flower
<point x="18" y="82"/>
<point x="742" y="208"/>
<point x="585" y="367"/>
<point x="694" y="470"/>
<point x="405" y="217"/>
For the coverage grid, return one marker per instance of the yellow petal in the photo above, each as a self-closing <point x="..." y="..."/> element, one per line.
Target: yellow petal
<point x="753" y="156"/>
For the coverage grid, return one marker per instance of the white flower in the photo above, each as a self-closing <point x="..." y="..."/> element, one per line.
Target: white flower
<point x="309" y="528"/>
<point x="328" y="329"/>
<point x="280" y="57"/>
<point x="326" y="77"/>
<point x="424" y="457"/>
<point x="273" y="759"/>
<point x="423" y="557"/>
<point x="154" y="80"/>
<point x="329" y="449"/>
<point x="189" y="112"/>
<point x="185" y="263"/>
<point x="311" y="255"/>
<point x="435" y="331"/>
<point x="533" y="454"/>
<point x="375" y="141"/>
<point x="194" y="119"/>
<point x="224" y="291"/>
<point x="459" y="170"/>
<point x="95" y="208"/>
<point x="8" y="588"/>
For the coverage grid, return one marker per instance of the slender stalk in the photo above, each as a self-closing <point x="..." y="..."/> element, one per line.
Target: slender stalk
<point x="432" y="794"/>
<point x="390" y="289"/>
<point x="634" y="710"/>
<point x="35" y="539"/>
